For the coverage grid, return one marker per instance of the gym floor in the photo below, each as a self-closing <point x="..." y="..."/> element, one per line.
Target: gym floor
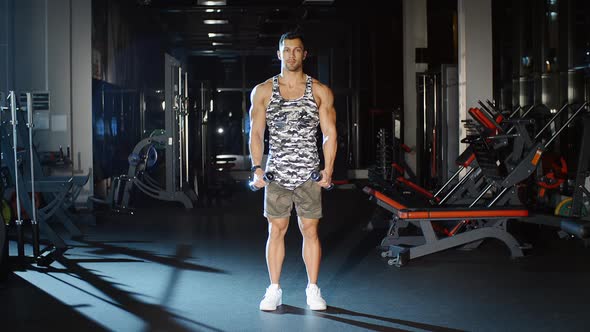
<point x="169" y="269"/>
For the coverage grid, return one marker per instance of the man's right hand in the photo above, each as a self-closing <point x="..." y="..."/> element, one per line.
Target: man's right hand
<point x="258" y="178"/>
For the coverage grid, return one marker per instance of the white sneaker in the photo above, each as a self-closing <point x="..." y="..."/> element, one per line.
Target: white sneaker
<point x="314" y="298"/>
<point x="272" y="298"/>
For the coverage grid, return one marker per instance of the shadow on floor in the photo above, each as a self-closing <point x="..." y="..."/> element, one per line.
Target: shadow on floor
<point x="21" y="308"/>
<point x="27" y="308"/>
<point x="335" y="313"/>
<point x="183" y="252"/>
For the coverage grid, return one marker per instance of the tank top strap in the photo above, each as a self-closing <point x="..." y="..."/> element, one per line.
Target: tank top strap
<point x="308" y="86"/>
<point x="275" y="85"/>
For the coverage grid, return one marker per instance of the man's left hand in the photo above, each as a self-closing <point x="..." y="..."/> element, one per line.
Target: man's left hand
<point x="326" y="180"/>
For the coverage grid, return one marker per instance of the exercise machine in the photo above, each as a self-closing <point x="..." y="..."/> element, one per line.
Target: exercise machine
<point x="173" y="142"/>
<point x="420" y="231"/>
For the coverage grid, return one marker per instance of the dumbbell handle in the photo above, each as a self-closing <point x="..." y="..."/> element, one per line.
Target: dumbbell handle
<point x="317" y="177"/>
<point x="268" y="177"/>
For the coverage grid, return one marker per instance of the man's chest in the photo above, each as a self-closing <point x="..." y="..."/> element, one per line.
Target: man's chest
<point x="293" y="92"/>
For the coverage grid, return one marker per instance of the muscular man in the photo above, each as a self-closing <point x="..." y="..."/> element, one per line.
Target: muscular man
<point x="292" y="104"/>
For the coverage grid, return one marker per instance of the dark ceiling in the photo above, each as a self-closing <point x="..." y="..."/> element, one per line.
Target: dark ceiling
<point x="253" y="25"/>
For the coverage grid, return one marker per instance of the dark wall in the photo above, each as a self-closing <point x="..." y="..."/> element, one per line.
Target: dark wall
<point x="128" y="45"/>
<point x="128" y="59"/>
<point x="542" y="56"/>
<point x="537" y="44"/>
<point x="442" y="32"/>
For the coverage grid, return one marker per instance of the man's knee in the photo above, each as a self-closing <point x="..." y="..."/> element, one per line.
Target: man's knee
<point x="278" y="227"/>
<point x="309" y="228"/>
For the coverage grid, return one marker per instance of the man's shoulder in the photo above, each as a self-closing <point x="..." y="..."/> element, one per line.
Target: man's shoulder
<point x="263" y="87"/>
<point x="267" y="83"/>
<point x="319" y="85"/>
<point x="319" y="88"/>
<point x="262" y="92"/>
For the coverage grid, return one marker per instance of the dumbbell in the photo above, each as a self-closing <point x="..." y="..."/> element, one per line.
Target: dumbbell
<point x="317" y="177"/>
<point x="268" y="177"/>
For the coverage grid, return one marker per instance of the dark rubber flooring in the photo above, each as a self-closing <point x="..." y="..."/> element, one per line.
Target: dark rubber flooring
<point x="170" y="269"/>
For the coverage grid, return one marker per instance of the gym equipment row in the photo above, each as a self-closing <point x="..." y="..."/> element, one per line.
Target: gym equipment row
<point x="24" y="173"/>
<point x="59" y="202"/>
<point x="400" y="182"/>
<point x="501" y="155"/>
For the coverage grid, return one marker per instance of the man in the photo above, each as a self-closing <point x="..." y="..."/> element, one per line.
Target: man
<point x="292" y="104"/>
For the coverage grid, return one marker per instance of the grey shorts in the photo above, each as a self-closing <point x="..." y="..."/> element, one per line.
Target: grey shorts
<point x="278" y="201"/>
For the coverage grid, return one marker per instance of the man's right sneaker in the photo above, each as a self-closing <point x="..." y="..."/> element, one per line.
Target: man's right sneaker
<point x="272" y="298"/>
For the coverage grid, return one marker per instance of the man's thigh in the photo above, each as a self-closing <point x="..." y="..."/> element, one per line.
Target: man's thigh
<point x="308" y="200"/>
<point x="278" y="201"/>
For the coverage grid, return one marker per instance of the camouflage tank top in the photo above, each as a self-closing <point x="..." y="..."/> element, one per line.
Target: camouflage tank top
<point x="293" y="126"/>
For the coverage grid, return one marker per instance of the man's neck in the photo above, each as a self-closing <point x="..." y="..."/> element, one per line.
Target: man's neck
<point x="292" y="77"/>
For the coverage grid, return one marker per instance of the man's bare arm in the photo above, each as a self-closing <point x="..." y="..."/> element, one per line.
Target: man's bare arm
<point x="257" y="128"/>
<point x="328" y="127"/>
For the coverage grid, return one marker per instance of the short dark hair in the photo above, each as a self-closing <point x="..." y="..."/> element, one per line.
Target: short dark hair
<point x="295" y="34"/>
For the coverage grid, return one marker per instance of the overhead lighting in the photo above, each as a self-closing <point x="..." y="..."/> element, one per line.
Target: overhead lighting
<point x="318" y="2"/>
<point x="212" y="2"/>
<point x="218" y="34"/>
<point x="216" y="21"/>
<point x="220" y="44"/>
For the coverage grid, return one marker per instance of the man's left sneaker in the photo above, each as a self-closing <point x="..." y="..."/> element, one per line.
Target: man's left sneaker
<point x="314" y="298"/>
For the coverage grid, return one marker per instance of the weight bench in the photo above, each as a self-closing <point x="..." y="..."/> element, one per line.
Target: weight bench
<point x="469" y="227"/>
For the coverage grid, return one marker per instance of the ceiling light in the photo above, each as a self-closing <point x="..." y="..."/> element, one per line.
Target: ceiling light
<point x="209" y="10"/>
<point x="218" y="34"/>
<point x="212" y="2"/>
<point x="318" y="2"/>
<point x="220" y="44"/>
<point x="216" y="21"/>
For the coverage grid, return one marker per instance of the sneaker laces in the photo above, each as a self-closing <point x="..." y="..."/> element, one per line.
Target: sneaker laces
<point x="272" y="293"/>
<point x="314" y="291"/>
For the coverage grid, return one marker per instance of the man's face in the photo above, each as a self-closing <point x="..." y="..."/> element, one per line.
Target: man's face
<point x="292" y="54"/>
